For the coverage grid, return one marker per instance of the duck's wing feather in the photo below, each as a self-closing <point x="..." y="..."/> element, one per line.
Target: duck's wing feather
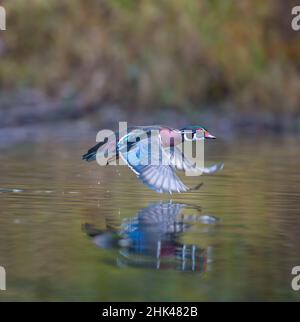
<point x="162" y="179"/>
<point x="149" y="167"/>
<point x="213" y="168"/>
<point x="180" y="162"/>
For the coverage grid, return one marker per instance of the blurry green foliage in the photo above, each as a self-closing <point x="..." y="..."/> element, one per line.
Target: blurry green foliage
<point x="154" y="53"/>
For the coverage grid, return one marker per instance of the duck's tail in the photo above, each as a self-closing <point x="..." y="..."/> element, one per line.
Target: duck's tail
<point x="92" y="152"/>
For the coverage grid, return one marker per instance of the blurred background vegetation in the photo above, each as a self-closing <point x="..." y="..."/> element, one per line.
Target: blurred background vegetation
<point x="187" y="55"/>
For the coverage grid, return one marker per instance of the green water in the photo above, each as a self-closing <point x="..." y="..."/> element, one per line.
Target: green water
<point x="72" y="230"/>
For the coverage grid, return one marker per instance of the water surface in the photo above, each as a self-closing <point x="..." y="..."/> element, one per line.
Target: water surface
<point x="72" y="230"/>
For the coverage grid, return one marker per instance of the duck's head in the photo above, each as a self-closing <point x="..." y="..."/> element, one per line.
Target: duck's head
<point x="195" y="132"/>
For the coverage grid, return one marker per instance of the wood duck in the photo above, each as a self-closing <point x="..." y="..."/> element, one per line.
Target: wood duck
<point x="133" y="148"/>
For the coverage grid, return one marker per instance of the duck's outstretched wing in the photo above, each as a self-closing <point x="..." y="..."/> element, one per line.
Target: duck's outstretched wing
<point x="162" y="179"/>
<point x="180" y="162"/>
<point x="150" y="169"/>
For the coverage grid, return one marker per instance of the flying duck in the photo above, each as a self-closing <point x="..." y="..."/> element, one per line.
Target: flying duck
<point x="156" y="166"/>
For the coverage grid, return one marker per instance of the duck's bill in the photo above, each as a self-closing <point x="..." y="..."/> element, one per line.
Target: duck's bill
<point x="207" y="135"/>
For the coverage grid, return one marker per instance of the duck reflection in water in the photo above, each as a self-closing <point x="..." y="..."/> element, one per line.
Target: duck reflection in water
<point x="151" y="239"/>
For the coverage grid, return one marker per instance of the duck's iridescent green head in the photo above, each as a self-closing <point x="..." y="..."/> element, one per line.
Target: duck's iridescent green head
<point x="196" y="132"/>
